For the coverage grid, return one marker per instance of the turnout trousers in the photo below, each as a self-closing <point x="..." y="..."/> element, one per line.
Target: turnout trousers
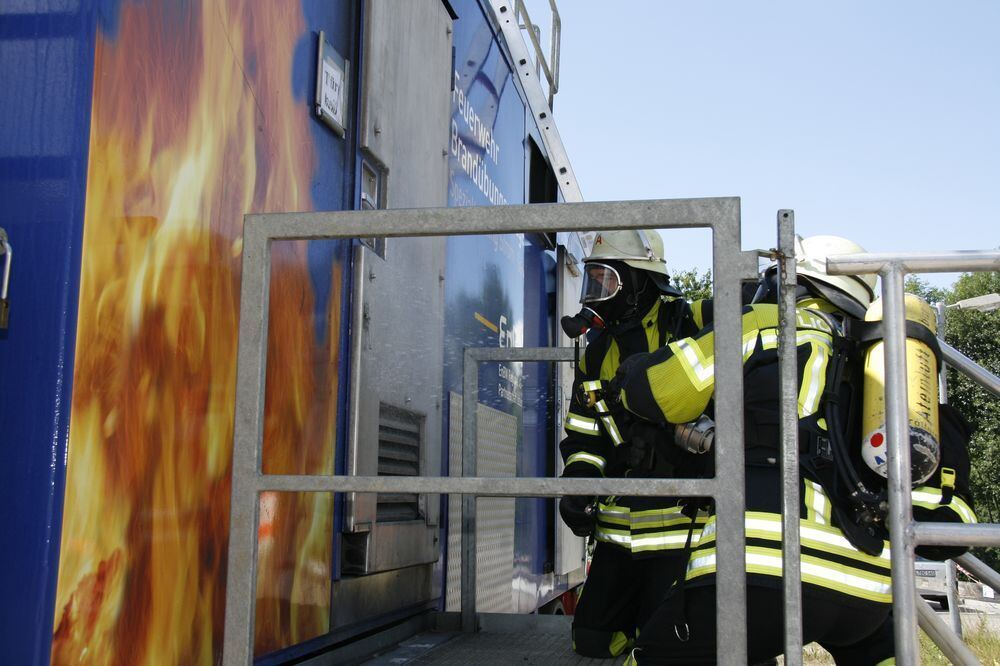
<point x="619" y="595"/>
<point x="853" y="631"/>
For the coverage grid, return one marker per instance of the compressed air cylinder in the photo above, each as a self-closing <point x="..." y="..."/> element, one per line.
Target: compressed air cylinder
<point x="921" y="391"/>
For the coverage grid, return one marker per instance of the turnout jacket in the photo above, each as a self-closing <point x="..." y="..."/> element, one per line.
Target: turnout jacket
<point x="675" y="385"/>
<point x="597" y="446"/>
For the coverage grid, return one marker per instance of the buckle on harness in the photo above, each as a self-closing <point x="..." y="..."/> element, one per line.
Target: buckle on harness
<point x="824" y="449"/>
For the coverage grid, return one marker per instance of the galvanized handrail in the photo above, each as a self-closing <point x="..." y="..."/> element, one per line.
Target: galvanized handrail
<point x="731" y="266"/>
<point x="904" y="534"/>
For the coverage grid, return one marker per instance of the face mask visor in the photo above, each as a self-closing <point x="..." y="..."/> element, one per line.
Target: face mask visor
<point x="600" y="283"/>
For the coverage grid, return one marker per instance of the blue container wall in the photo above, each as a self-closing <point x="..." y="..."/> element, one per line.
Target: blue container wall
<point x="497" y="287"/>
<point x="46" y="67"/>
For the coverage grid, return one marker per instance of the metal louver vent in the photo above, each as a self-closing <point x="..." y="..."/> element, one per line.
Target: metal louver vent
<point x="399" y="442"/>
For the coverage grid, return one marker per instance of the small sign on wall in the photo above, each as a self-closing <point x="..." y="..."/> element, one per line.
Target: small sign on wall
<point x="331" y="86"/>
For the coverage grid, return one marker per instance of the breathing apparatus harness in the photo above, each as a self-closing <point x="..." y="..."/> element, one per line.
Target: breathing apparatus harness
<point x="858" y="496"/>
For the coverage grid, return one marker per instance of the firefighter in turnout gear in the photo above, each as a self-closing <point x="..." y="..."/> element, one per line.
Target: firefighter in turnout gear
<point x="629" y="307"/>
<point x="845" y="555"/>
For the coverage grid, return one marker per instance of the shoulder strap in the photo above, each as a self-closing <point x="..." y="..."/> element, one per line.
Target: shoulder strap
<point x="675" y="320"/>
<point x="870" y="332"/>
<point x="595" y="352"/>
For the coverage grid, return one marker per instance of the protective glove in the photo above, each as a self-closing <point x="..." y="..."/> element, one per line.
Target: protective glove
<point x="578" y="514"/>
<point x="643" y="441"/>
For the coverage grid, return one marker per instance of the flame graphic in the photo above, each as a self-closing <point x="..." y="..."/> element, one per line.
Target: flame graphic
<point x="194" y="124"/>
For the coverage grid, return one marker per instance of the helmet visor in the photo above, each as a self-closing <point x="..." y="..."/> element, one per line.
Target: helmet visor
<point x="600" y="282"/>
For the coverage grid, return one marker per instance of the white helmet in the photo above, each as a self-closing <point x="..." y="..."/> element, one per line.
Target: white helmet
<point x="641" y="249"/>
<point x="847" y="292"/>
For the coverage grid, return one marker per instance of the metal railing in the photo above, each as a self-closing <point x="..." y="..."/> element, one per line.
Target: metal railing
<point x="731" y="265"/>
<point x="547" y="66"/>
<point x="904" y="533"/>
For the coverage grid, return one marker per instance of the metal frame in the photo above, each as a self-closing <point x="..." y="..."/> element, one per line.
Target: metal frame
<point x="470" y="436"/>
<point x="730" y="265"/>
<point x="904" y="534"/>
<point x="789" y="427"/>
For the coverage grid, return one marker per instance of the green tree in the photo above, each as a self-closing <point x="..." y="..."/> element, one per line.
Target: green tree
<point x="691" y="284"/>
<point x="977" y="335"/>
<point x="917" y="285"/>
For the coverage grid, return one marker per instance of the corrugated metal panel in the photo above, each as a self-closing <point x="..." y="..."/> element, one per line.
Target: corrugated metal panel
<point x="497" y="437"/>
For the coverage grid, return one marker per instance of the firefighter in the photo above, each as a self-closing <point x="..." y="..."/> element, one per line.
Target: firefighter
<point x="629" y="306"/>
<point x="845" y="557"/>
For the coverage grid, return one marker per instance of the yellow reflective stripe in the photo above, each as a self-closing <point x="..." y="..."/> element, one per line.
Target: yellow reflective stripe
<point x="596" y="461"/>
<point x="699" y="369"/>
<point x="749" y="344"/>
<point x="659" y="518"/>
<point x="672" y="541"/>
<point x="891" y="661"/>
<point x="594" y="385"/>
<point x="813" y="381"/>
<point x="831" y="575"/>
<point x="611" y="428"/>
<point x="619" y="643"/>
<point x="613" y="536"/>
<point x="818" y="507"/>
<point x="612" y="515"/>
<point x="582" y="424"/>
<point x="929" y="498"/>
<point x="760" y="525"/>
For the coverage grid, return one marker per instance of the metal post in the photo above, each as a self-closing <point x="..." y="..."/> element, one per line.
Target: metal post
<point x="950" y="578"/>
<point x="729" y="455"/>
<point x="470" y="398"/>
<point x="788" y="369"/>
<point x="248" y="438"/>
<point x="898" y="436"/>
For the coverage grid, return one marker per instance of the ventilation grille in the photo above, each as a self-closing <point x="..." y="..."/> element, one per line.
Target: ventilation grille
<point x="399" y="443"/>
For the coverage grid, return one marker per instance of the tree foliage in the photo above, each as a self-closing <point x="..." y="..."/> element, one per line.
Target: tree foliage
<point x="977" y="335"/>
<point x="916" y="285"/>
<point x="692" y="285"/>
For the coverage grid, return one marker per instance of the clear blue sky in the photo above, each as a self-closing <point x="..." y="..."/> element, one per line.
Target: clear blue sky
<point x="879" y="121"/>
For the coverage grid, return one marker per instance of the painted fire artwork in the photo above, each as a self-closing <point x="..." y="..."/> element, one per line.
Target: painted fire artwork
<point x="194" y="123"/>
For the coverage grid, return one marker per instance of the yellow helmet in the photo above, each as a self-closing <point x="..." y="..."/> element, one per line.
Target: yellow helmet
<point x="810" y="264"/>
<point x="641" y="249"/>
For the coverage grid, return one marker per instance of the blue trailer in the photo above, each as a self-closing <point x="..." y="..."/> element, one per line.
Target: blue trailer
<point x="136" y="135"/>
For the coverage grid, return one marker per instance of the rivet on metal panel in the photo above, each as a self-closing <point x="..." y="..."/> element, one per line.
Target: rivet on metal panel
<point x="378" y="129"/>
<point x="543" y="115"/>
<point x="371" y="276"/>
<point x="562" y="170"/>
<point x="522" y="61"/>
<point x="503" y="9"/>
